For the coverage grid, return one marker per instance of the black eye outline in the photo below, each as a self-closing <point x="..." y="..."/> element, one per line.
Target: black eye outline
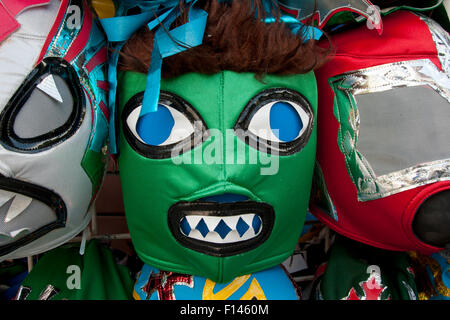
<point x="165" y="151"/>
<point x="262" y="99"/>
<point x="49" y="66"/>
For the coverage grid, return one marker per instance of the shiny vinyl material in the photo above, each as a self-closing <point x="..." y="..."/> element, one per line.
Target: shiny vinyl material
<point x="386" y="77"/>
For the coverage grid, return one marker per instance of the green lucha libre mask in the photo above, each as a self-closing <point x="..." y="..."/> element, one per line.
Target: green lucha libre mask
<point x="216" y="182"/>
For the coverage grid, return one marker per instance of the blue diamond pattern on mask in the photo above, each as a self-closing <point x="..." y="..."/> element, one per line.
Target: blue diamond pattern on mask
<point x="222" y="229"/>
<point x="185" y="227"/>
<point x="256" y="223"/>
<point x="241" y="227"/>
<point x="202" y="227"/>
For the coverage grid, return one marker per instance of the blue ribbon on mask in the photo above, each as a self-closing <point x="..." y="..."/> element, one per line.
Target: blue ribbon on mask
<point x="298" y="28"/>
<point x="166" y="44"/>
<point x="158" y="15"/>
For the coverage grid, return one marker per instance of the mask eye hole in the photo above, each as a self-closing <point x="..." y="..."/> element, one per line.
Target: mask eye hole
<point x="163" y="127"/>
<point x="47" y="108"/>
<point x="280" y="121"/>
<point x="276" y="120"/>
<point x="156" y="134"/>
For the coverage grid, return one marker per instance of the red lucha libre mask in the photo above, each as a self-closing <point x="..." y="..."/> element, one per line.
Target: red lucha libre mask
<point x="383" y="150"/>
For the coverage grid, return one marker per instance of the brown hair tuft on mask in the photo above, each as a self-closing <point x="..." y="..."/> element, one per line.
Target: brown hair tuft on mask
<point x="236" y="39"/>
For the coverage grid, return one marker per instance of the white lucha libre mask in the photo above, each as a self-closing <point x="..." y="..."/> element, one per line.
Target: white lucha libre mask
<point x="53" y="123"/>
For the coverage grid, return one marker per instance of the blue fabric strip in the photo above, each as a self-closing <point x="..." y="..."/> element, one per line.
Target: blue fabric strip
<point x="122" y="28"/>
<point x="162" y="19"/>
<point x="119" y="29"/>
<point x="153" y="82"/>
<point x="112" y="79"/>
<point x="308" y="32"/>
<point x="167" y="44"/>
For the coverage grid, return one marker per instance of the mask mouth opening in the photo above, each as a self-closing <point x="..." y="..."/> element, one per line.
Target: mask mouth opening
<point x="27" y="212"/>
<point x="221" y="228"/>
<point x="431" y="222"/>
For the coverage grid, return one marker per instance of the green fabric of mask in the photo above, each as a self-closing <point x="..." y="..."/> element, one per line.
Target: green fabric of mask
<point x="356" y="271"/>
<point x="153" y="185"/>
<point x="64" y="274"/>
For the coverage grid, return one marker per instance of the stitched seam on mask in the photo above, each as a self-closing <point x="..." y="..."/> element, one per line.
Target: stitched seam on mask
<point x="206" y="190"/>
<point x="30" y="36"/>
<point x="222" y="120"/>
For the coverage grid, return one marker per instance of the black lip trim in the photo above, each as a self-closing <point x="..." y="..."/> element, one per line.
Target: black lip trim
<point x="50" y="65"/>
<point x="261" y="99"/>
<point x="164" y="152"/>
<point x="183" y="208"/>
<point x="50" y="198"/>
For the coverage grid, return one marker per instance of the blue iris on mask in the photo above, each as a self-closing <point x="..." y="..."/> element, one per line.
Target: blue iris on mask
<point x="155" y="127"/>
<point x="285" y="121"/>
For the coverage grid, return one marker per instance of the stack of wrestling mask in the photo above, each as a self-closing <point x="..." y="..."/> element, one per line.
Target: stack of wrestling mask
<point x="220" y="162"/>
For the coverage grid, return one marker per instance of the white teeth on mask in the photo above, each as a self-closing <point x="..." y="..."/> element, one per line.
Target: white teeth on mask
<point x="18" y="205"/>
<point x="5" y="196"/>
<point x="214" y="237"/>
<point x="48" y="86"/>
<point x="248" y="218"/>
<point x="15" y="233"/>
<point x="221" y="229"/>
<point x="193" y="220"/>
<point x="18" y="232"/>
<point x="4" y="236"/>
